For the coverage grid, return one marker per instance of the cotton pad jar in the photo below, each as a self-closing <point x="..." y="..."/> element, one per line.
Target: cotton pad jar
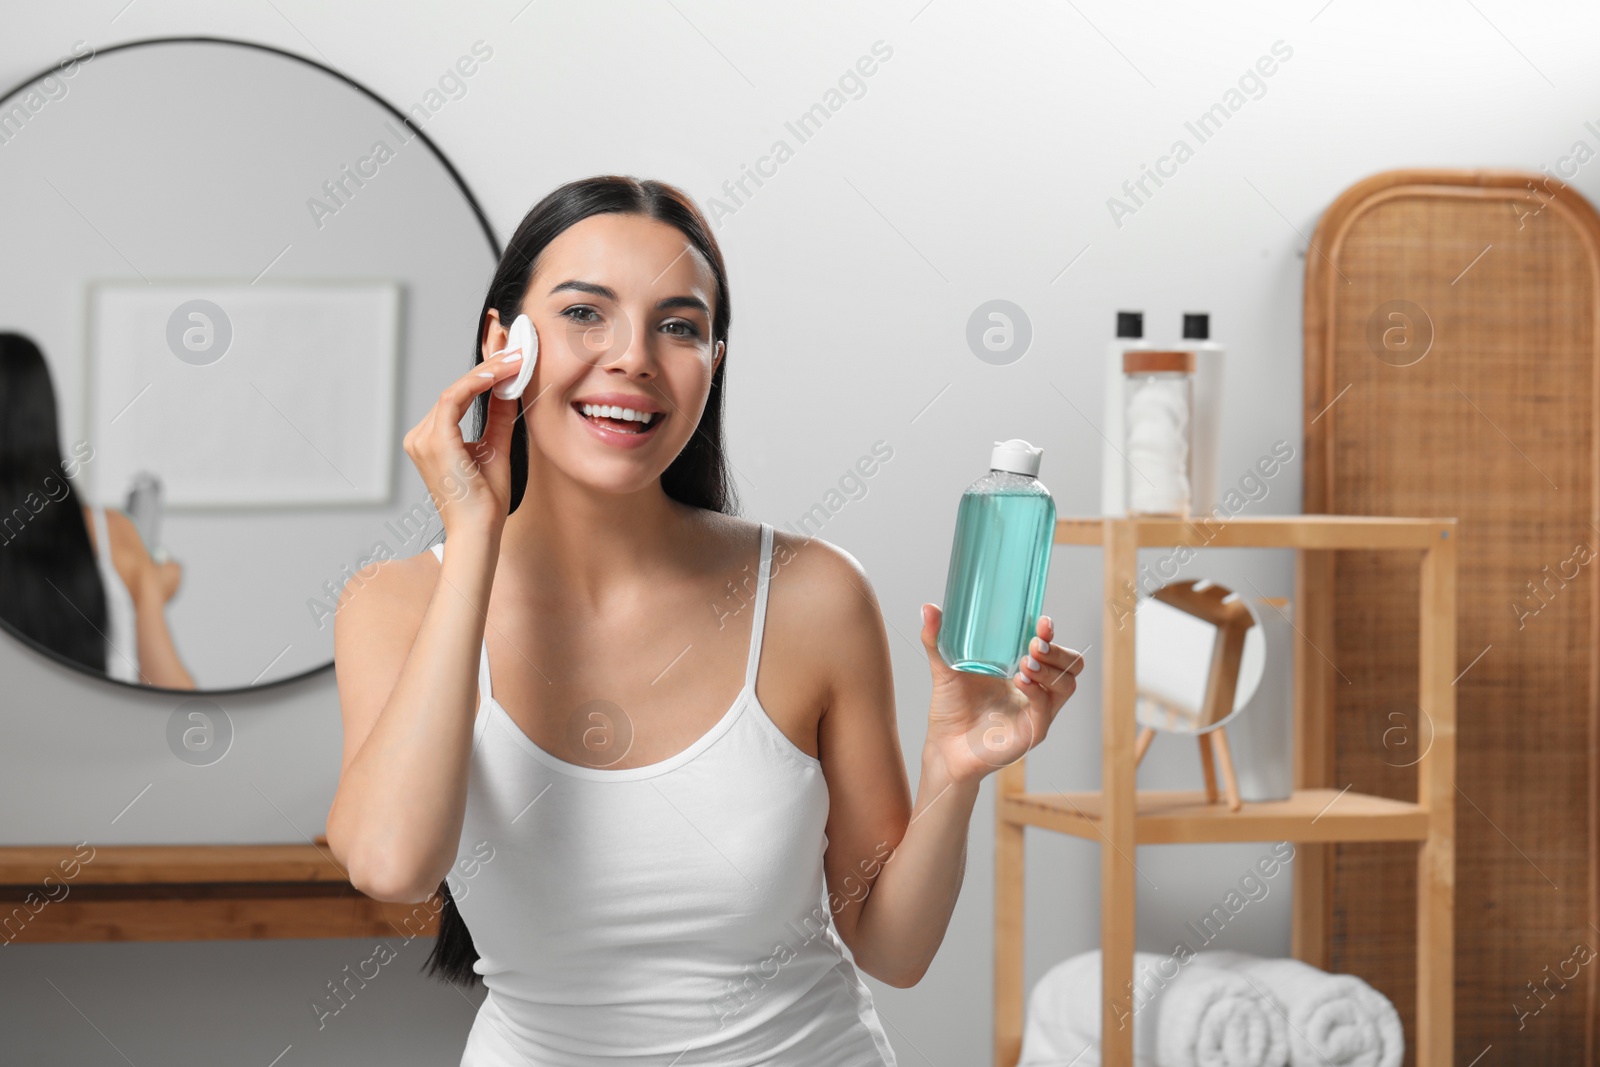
<point x="1158" y="420"/>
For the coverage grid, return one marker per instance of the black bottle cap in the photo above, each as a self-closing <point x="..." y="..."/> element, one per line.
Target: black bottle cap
<point x="1130" y="324"/>
<point x="1196" y="326"/>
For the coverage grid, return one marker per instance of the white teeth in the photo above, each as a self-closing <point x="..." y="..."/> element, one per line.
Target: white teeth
<point x="613" y="412"/>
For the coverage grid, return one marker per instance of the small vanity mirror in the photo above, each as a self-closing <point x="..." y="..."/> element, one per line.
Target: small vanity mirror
<point x="1199" y="659"/>
<point x="1199" y="656"/>
<point x="233" y="279"/>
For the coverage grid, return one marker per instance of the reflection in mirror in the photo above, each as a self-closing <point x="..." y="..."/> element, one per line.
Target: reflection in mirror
<point x="59" y="553"/>
<point x="232" y="277"/>
<point x="1199" y="656"/>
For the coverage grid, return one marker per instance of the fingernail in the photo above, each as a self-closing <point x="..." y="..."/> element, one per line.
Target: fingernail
<point x="512" y="357"/>
<point x="485" y="374"/>
<point x="1033" y="665"/>
<point x="1047" y="621"/>
<point x="1044" y="647"/>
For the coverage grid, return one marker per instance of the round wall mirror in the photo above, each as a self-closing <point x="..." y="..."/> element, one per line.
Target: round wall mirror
<point x="244" y="276"/>
<point x="1199" y="656"/>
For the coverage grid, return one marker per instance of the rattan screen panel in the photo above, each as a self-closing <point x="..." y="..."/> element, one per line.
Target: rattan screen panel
<point x="1451" y="371"/>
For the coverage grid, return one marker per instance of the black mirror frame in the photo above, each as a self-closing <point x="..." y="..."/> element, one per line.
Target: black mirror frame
<point x="455" y="176"/>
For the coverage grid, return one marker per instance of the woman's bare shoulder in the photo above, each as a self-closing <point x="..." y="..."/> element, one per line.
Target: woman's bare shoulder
<point x="826" y="612"/>
<point x="822" y="567"/>
<point x="817" y="560"/>
<point x="812" y="579"/>
<point x="390" y="595"/>
<point x="823" y="584"/>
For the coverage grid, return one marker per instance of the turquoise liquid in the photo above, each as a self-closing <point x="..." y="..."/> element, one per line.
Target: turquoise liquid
<point x="998" y="565"/>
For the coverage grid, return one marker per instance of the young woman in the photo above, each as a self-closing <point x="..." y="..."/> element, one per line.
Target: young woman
<point x="76" y="579"/>
<point x="674" y="816"/>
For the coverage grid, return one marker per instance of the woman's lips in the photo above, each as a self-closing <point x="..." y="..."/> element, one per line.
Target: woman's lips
<point x="619" y="438"/>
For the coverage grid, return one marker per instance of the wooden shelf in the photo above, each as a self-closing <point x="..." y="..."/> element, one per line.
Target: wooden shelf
<point x="170" y="864"/>
<point x="1119" y="817"/>
<point x="1263" y="531"/>
<point x="1174" y="818"/>
<point x="190" y="893"/>
<point x="230" y="912"/>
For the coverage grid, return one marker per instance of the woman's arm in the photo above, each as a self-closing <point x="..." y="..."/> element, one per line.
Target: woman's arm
<point x="407" y="680"/>
<point x="405" y="654"/>
<point x="150" y="585"/>
<point x="159" y="662"/>
<point x="895" y="870"/>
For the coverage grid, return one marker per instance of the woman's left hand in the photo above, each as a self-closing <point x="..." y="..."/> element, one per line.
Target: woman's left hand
<point x="978" y="723"/>
<point x="161" y="580"/>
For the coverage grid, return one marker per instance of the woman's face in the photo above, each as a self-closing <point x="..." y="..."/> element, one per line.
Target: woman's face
<point x="622" y="305"/>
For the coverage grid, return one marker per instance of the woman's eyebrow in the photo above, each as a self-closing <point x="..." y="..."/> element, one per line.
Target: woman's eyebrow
<point x="683" y="302"/>
<point x="584" y="287"/>
<point x="592" y="289"/>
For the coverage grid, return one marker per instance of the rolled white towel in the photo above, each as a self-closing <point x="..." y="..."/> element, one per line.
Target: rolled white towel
<point x="1058" y="1045"/>
<point x="1210" y="1017"/>
<point x="1335" y="1020"/>
<point x="1062" y="1028"/>
<point x="1183" y="1015"/>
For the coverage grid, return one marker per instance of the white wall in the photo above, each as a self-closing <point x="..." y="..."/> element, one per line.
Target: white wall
<point x="976" y="166"/>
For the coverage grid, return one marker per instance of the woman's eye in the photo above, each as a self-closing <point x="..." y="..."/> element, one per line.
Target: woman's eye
<point x="581" y="314"/>
<point x="679" y="328"/>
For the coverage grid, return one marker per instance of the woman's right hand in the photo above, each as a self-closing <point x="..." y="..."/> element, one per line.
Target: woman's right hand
<point x="470" y="481"/>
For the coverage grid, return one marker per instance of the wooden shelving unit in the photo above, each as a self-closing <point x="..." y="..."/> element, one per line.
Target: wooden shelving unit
<point x="1119" y="817"/>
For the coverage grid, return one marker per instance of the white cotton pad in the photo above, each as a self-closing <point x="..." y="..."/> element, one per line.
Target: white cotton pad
<point x="521" y="335"/>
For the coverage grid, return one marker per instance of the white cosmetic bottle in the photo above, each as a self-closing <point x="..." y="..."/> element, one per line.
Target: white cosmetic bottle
<point x="1113" y="464"/>
<point x="1207" y="427"/>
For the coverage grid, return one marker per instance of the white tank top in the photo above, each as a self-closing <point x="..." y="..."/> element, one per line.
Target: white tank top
<point x="122" y="638"/>
<point x="674" y="913"/>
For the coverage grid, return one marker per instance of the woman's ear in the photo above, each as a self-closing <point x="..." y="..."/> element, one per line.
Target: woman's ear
<point x="494" y="335"/>
<point x="721" y="350"/>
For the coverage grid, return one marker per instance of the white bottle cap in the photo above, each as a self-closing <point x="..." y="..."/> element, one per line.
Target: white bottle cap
<point x="1016" y="456"/>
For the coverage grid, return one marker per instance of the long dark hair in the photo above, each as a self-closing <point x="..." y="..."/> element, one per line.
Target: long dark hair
<point x="698" y="476"/>
<point x="50" y="587"/>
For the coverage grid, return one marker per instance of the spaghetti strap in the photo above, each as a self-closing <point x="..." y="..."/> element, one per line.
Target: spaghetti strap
<point x="484" y="692"/>
<point x="763" y="580"/>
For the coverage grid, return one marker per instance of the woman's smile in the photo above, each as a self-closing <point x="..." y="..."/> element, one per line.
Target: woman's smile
<point x="618" y="424"/>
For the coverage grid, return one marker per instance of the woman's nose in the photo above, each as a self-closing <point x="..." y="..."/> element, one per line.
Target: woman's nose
<point x="617" y="344"/>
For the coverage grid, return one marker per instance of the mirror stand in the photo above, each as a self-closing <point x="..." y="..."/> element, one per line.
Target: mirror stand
<point x="1214" y="756"/>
